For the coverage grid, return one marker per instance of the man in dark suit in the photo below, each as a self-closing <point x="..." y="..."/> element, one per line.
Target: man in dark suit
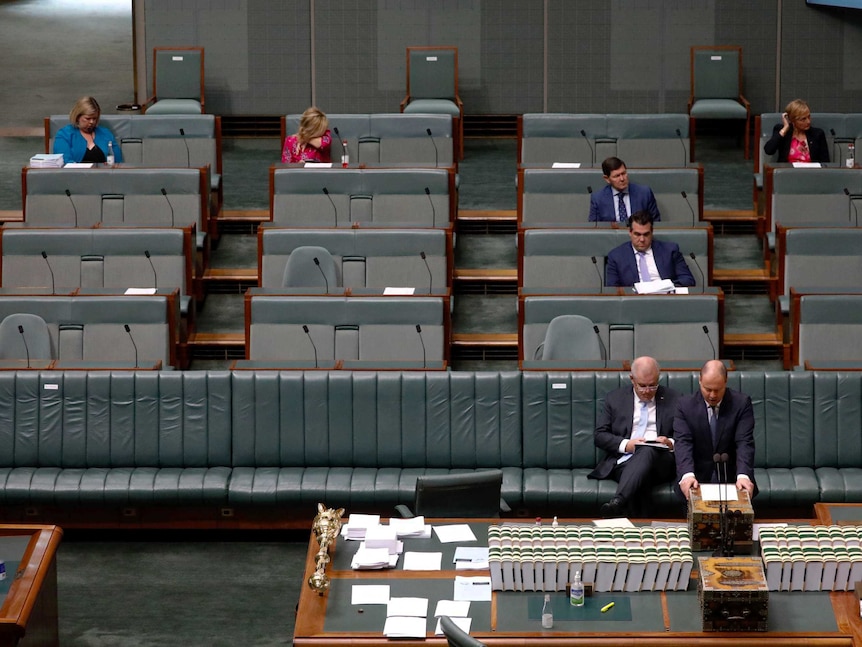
<point x="715" y="420"/>
<point x="646" y="259"/>
<point x="633" y="415"/>
<point x="620" y="199"/>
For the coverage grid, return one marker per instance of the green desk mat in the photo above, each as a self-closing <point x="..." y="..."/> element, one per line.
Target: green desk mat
<point x="345" y="550"/>
<point x="519" y="612"/>
<point x="11" y="551"/>
<point x="845" y="513"/>
<point x="792" y="612"/>
<point x="343" y="616"/>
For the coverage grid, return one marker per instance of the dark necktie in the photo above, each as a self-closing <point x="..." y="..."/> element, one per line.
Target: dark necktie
<point x="624" y="214"/>
<point x="713" y="426"/>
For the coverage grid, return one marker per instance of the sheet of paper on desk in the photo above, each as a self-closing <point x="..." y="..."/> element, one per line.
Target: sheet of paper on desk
<point x="716" y="491"/>
<point x="396" y="291"/>
<point x="566" y="165"/>
<point x="806" y="164"/>
<point x="415" y="527"/>
<point x="477" y="589"/>
<point x="403" y="627"/>
<point x="139" y="291"/>
<point x="416" y="561"/>
<point x="467" y="557"/>
<point x="619" y="522"/>
<point x="452" y="608"/>
<point x="369" y="594"/>
<point x="458" y="532"/>
<point x="654" y="287"/>
<point x="416" y="607"/>
<point x="318" y="165"/>
<point x="370" y="558"/>
<point x="357" y="524"/>
<point x="462" y="623"/>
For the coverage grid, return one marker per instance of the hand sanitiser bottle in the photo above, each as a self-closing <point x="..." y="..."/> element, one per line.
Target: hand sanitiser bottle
<point x="576" y="592"/>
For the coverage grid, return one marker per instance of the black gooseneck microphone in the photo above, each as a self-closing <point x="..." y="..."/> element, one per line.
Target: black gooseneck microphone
<point x="430" y="276"/>
<point x="152" y="267"/>
<point x="690" y="208"/>
<point x="334" y="208"/>
<point x="26" y="347"/>
<point x="422" y="341"/>
<point x="165" y="193"/>
<point x="188" y="154"/>
<point x="720" y="549"/>
<point x="852" y="204"/>
<point x="436" y="152"/>
<point x="50" y="269"/>
<point x="602" y="349"/>
<point x="601" y="280"/>
<point x="702" y="277"/>
<point x="592" y="150"/>
<point x="322" y="273"/>
<point x="431" y="202"/>
<point x="684" y="152"/>
<point x="706" y="332"/>
<point x="313" y="346"/>
<point x="69" y="195"/>
<point x="129" y="333"/>
<point x="832" y="132"/>
<point x="338" y="134"/>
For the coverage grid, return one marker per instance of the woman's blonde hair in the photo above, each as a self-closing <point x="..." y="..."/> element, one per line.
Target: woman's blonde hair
<point x="84" y="106"/>
<point x="796" y="109"/>
<point x="313" y="123"/>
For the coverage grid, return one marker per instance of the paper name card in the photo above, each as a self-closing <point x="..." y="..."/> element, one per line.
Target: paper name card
<point x="807" y="165"/>
<point x="566" y="165"/>
<point x="399" y="291"/>
<point x="318" y="165"/>
<point x="140" y="291"/>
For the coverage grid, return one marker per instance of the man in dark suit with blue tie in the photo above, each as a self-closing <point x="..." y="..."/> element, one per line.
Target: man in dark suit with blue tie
<point x="633" y="415"/>
<point x="714" y="421"/>
<point x="646" y="259"/>
<point x="620" y="199"/>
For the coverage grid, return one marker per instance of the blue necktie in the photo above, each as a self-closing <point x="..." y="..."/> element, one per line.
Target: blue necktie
<point x="713" y="426"/>
<point x="624" y="214"/>
<point x="643" y="267"/>
<point x="640" y="432"/>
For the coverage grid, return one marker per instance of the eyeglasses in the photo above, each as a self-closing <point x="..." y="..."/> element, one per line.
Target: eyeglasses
<point x="645" y="387"/>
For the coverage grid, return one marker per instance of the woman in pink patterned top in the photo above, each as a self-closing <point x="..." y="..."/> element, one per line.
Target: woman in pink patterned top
<point x="312" y="143"/>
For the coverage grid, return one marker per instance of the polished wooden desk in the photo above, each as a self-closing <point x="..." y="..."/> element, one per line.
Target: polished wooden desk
<point x="513" y="618"/>
<point x="28" y="615"/>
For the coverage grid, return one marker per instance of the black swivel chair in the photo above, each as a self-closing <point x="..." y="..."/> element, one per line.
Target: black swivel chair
<point x="456" y="637"/>
<point x="471" y="494"/>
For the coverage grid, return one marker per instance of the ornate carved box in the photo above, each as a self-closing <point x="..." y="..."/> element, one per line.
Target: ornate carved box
<point x="733" y="594"/>
<point x="704" y="527"/>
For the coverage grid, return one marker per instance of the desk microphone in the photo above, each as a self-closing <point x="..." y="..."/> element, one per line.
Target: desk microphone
<point x="188" y="154"/>
<point x="722" y="510"/>
<point x="436" y="152"/>
<point x="313" y="346"/>
<point x="431" y="202"/>
<point x="592" y="150"/>
<point x="709" y="339"/>
<point x="129" y="333"/>
<point x="322" y="273"/>
<point x="26" y="347"/>
<point x="340" y="141"/>
<point x="702" y="277"/>
<point x="48" y="263"/>
<point x="165" y="193"/>
<point x="852" y="204"/>
<point x="152" y="267"/>
<point x="684" y="152"/>
<point x="422" y="341"/>
<point x="430" y="276"/>
<point x="690" y="208"/>
<point x="69" y="195"/>
<point x="332" y="202"/>
<point x="601" y="280"/>
<point x="832" y="132"/>
<point x="602" y="349"/>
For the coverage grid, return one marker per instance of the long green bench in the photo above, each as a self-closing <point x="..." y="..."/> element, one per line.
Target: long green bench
<point x="244" y="446"/>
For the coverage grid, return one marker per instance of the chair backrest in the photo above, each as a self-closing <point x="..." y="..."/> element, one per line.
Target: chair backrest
<point x="571" y="337"/>
<point x="432" y="72"/>
<point x="716" y="72"/>
<point x="828" y="328"/>
<point x="25" y="336"/>
<point x="310" y="267"/>
<point x="455" y="637"/>
<point x="471" y="494"/>
<point x="178" y="73"/>
<point x="811" y="258"/>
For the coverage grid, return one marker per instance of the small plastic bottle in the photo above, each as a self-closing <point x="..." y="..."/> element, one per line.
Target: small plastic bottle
<point x="109" y="158"/>
<point x="851" y="156"/>
<point x="345" y="154"/>
<point x="576" y="591"/>
<point x="547" y="613"/>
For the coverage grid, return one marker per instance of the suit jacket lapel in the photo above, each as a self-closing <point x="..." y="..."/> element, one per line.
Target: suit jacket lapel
<point x="629" y="412"/>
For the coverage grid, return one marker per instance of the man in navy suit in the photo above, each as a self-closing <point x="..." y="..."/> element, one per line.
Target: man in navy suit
<point x="646" y="259"/>
<point x="715" y="420"/>
<point x="620" y="199"/>
<point x="633" y="415"/>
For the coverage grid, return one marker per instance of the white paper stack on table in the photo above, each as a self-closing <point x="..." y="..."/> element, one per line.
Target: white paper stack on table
<point x="47" y="160"/>
<point x="413" y="528"/>
<point x="405" y="618"/>
<point x="458" y="612"/>
<point x="358" y="524"/>
<point x="662" y="286"/>
<point x="380" y="549"/>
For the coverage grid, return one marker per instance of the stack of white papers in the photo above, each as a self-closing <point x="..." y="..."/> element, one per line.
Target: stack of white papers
<point x="405" y="618"/>
<point x="358" y="524"/>
<point x="373" y="558"/>
<point x="470" y="557"/>
<point x="458" y="612"/>
<point x="415" y="527"/>
<point x="663" y="286"/>
<point x="47" y="160"/>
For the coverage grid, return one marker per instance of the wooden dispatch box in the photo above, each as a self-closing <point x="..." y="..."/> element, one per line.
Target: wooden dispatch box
<point x="704" y="527"/>
<point x="733" y="594"/>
